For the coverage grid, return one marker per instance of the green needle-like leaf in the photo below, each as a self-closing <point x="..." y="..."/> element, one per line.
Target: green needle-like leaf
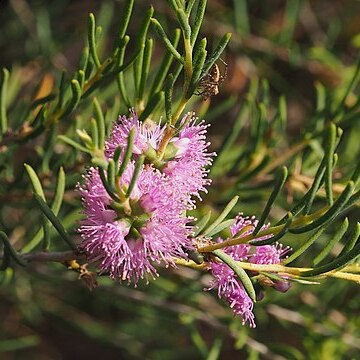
<point x="239" y="271"/>
<point x="329" y="152"/>
<point x="351" y="240"/>
<point x="125" y="18"/>
<point x="339" y="205"/>
<point x="55" y="221"/>
<point x="10" y="250"/>
<point x="138" y="167"/>
<point x="92" y="40"/>
<point x="222" y="216"/>
<point x="336" y="264"/>
<point x="74" y="144"/>
<point x="168" y="44"/>
<point x="128" y="152"/>
<point x="330" y="245"/>
<point x="198" y="20"/>
<point x="36" y="184"/>
<point x="145" y="67"/>
<point x="216" y="53"/>
<point x="3" y="100"/>
<point x="223" y="225"/>
<point x="279" y="183"/>
<point x="168" y="97"/>
<point x="76" y="95"/>
<point x="304" y="247"/>
<point x="276" y="237"/>
<point x="200" y="225"/>
<point x="100" y="121"/>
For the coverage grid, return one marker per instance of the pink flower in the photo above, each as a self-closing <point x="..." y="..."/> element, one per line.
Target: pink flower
<point x="232" y="291"/>
<point x="188" y="167"/>
<point x="127" y="247"/>
<point x="269" y="254"/>
<point x="225" y="279"/>
<point x="188" y="158"/>
<point x="147" y="134"/>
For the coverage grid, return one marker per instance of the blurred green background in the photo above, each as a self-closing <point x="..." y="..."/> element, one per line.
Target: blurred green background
<point x="46" y="313"/>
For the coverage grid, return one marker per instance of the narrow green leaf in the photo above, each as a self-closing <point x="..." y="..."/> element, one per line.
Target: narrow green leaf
<point x="198" y="20"/>
<point x="351" y="240"/>
<point x="223" y="225"/>
<point x="100" y="121"/>
<point x="356" y="174"/>
<point x="36" y="184"/>
<point x="74" y="144"/>
<point x="111" y="173"/>
<point x="168" y="97"/>
<point x="10" y="250"/>
<point x="128" y="152"/>
<point x="339" y="205"/>
<point x="142" y="34"/>
<point x="120" y="75"/>
<point x="330" y="245"/>
<point x="92" y="40"/>
<point x="164" y="67"/>
<point x="184" y="23"/>
<point x="76" y="95"/>
<point x="42" y="101"/>
<point x="329" y="152"/>
<point x="216" y="53"/>
<point x="62" y="91"/>
<point x="282" y="109"/>
<point x="239" y="271"/>
<point x="109" y="189"/>
<point x="304" y="247"/>
<point x="200" y="225"/>
<point x="198" y="64"/>
<point x="320" y="97"/>
<point x="276" y="237"/>
<point x="3" y="101"/>
<point x="116" y="158"/>
<point x="311" y="193"/>
<point x="189" y="6"/>
<point x="222" y="216"/>
<point x="55" y="221"/>
<point x="94" y="133"/>
<point x="145" y="67"/>
<point x="279" y="183"/>
<point x="241" y="17"/>
<point x="125" y="18"/>
<point x="138" y="167"/>
<point x="168" y="44"/>
<point x="336" y="264"/>
<point x="84" y="58"/>
<point x="59" y="191"/>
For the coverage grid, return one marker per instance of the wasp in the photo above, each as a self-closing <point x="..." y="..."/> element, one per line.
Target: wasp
<point x="209" y="84"/>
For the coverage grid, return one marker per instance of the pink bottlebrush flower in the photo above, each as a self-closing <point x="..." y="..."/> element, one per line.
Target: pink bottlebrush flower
<point x="269" y="254"/>
<point x="146" y="134"/>
<point x="188" y="150"/>
<point x="108" y="238"/>
<point x="226" y="281"/>
<point x="188" y="166"/>
<point x="230" y="289"/>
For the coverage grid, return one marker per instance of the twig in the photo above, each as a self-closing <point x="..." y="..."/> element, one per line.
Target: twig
<point x="60" y="256"/>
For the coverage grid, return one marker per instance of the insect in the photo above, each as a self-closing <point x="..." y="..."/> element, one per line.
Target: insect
<point x="209" y="84"/>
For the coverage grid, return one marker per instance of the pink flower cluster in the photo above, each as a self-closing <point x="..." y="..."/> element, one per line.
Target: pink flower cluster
<point x="225" y="279"/>
<point x="155" y="229"/>
<point x="126" y="246"/>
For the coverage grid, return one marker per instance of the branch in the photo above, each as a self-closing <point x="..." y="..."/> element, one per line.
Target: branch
<point x="60" y="256"/>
